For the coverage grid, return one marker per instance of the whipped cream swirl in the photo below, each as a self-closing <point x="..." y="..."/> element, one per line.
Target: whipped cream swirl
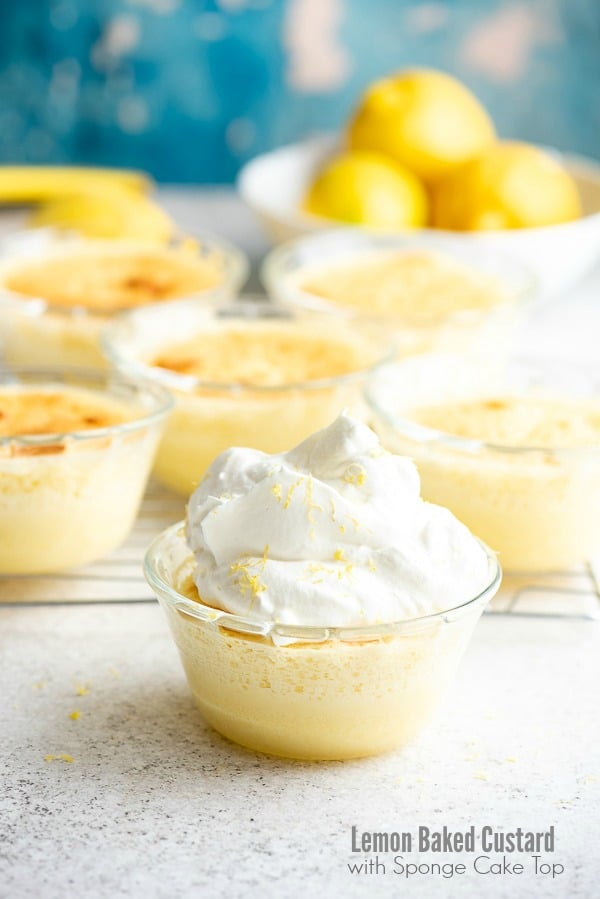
<point x="332" y="533"/>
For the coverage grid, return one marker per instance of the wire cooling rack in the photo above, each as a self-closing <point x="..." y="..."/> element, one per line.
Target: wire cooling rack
<point x="119" y="578"/>
<point x="551" y="594"/>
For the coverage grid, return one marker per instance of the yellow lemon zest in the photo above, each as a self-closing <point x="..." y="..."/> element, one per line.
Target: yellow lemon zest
<point x="290" y="493"/>
<point x="355" y="474"/>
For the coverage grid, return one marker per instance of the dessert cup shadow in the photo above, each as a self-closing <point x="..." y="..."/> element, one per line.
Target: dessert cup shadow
<point x="154" y="733"/>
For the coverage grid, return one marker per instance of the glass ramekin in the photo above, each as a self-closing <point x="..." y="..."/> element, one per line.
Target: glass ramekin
<point x="538" y="507"/>
<point x="70" y="498"/>
<point x="35" y="332"/>
<point x="310" y="692"/>
<point x="210" y="417"/>
<point x="488" y="330"/>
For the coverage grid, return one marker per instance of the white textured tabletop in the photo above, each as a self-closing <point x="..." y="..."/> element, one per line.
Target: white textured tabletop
<point x="113" y="786"/>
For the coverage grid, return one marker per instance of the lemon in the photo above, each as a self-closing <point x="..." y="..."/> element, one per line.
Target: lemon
<point x="36" y="184"/>
<point x="110" y="211"/>
<point x="368" y="189"/>
<point x="423" y="119"/>
<point x="513" y="185"/>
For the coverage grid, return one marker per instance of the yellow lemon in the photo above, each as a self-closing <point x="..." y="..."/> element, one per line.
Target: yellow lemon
<point x="513" y="185"/>
<point x="36" y="184"/>
<point x="423" y="119"/>
<point x="109" y="211"/>
<point x="368" y="189"/>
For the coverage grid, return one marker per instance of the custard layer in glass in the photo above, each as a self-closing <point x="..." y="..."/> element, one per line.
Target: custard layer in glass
<point x="433" y="302"/>
<point x="332" y="700"/>
<point x="434" y="293"/>
<point x="329" y="696"/>
<point x="522" y="471"/>
<point x="73" y="466"/>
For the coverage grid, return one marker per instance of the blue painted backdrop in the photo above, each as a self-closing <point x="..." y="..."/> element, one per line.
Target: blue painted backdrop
<point x="190" y="89"/>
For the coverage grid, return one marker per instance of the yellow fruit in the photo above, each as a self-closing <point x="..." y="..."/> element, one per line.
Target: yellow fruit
<point x="368" y="189"/>
<point x="34" y="184"/>
<point x="513" y="185"/>
<point x="108" y="212"/>
<point x="423" y="119"/>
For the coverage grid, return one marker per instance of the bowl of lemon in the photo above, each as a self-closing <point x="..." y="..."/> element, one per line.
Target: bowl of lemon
<point x="420" y="152"/>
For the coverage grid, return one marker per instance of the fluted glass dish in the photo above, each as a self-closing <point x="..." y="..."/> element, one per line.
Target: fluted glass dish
<point x="310" y="692"/>
<point x="441" y="295"/>
<point x="270" y="413"/>
<point x="70" y="497"/>
<point x="537" y="505"/>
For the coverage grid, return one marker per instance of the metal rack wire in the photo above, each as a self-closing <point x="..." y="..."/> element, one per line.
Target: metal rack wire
<point x="551" y="594"/>
<point x="118" y="579"/>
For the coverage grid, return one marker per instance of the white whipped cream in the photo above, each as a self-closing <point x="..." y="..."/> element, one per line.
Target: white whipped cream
<point x="332" y="533"/>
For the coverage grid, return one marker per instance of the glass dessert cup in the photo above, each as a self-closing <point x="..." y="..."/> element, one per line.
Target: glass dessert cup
<point x="34" y="330"/>
<point x="310" y="692"/>
<point x="212" y="415"/>
<point x="488" y="328"/>
<point x="537" y="506"/>
<point x="67" y="499"/>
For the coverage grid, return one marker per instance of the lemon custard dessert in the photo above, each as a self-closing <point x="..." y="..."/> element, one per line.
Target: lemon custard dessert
<point x="433" y="294"/>
<point x="54" y="302"/>
<point x="74" y="460"/>
<point x="105" y="279"/>
<point x="247" y="374"/>
<point x="521" y="468"/>
<point x="319" y="606"/>
<point x="418" y="286"/>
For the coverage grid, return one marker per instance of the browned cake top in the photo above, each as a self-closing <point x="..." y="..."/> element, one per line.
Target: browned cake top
<point x="106" y="280"/>
<point x="36" y="412"/>
<point x="269" y="355"/>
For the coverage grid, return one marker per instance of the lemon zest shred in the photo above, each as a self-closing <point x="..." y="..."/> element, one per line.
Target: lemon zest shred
<point x="355" y="474"/>
<point x="265" y="556"/>
<point x="290" y="493"/>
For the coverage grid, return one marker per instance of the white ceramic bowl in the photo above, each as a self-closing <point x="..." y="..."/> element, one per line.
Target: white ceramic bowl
<point x="274" y="184"/>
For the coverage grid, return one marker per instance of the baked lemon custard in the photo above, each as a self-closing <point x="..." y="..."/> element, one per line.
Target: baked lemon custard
<point x="54" y="301"/>
<point x="74" y="461"/>
<point x="520" y="468"/>
<point x="246" y="374"/>
<point x="319" y="606"/>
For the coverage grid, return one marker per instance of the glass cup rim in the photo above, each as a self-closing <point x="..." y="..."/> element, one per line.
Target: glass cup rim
<point x="272" y="270"/>
<point x="236" y="268"/>
<point x="304" y="633"/>
<point x="426" y="434"/>
<point x="248" y="306"/>
<point x="161" y="399"/>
